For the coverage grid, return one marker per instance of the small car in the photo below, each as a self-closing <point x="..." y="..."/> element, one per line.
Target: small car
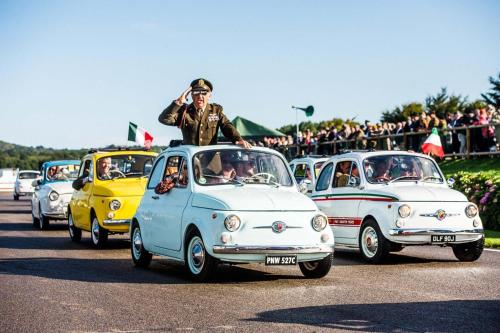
<point x="111" y="185"/>
<point x="382" y="201"/>
<point x="306" y="170"/>
<point x="212" y="204"/>
<point x="24" y="183"/>
<point x="53" y="191"/>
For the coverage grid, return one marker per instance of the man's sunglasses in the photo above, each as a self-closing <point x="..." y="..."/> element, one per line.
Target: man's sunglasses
<point x="200" y="92"/>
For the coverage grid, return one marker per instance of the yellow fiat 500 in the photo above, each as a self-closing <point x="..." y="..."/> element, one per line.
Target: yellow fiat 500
<point x="108" y="191"/>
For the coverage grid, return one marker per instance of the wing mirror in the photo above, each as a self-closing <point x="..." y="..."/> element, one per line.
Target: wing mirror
<point x="451" y="182"/>
<point x="303" y="186"/>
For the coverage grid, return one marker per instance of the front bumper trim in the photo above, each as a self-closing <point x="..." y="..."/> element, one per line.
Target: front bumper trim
<point x="235" y="249"/>
<point x="429" y="232"/>
<point x="117" y="222"/>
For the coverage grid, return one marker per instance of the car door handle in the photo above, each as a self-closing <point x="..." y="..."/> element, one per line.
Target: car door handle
<point x="156" y="197"/>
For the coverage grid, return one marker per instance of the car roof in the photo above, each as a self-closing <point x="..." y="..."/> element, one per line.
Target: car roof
<point x="60" y="162"/>
<point x="191" y="150"/>
<point x="365" y="154"/>
<point x="311" y="158"/>
<point x="25" y="171"/>
<point x="100" y="153"/>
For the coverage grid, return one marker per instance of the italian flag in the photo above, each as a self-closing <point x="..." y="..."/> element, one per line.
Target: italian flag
<point x="432" y="145"/>
<point x="139" y="135"/>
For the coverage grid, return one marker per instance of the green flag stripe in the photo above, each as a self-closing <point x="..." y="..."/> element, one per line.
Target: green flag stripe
<point x="132" y="131"/>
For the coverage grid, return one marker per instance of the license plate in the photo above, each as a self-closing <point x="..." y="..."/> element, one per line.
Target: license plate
<point x="442" y="238"/>
<point x="281" y="260"/>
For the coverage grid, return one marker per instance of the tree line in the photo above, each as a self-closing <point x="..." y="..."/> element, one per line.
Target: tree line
<point x="442" y="103"/>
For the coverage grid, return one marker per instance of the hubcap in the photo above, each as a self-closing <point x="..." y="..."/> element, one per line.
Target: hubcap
<point x="196" y="255"/>
<point x="310" y="265"/>
<point x="369" y="242"/>
<point x="137" y="243"/>
<point x="95" y="231"/>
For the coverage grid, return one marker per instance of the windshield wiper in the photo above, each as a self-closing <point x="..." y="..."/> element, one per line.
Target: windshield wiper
<point x="432" y="178"/>
<point x="403" y="177"/>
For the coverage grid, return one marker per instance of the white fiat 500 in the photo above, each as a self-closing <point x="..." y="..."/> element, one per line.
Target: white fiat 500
<point x="53" y="192"/>
<point x="383" y="201"/>
<point x="205" y="205"/>
<point x="24" y="183"/>
<point x="306" y="170"/>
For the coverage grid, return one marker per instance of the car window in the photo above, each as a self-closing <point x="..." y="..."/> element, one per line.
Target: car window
<point x="391" y="168"/>
<point x="237" y="166"/>
<point x="63" y="172"/>
<point x="302" y="171"/>
<point x="156" y="173"/>
<point x="324" y="177"/>
<point x="317" y="168"/>
<point x="86" y="169"/>
<point x="28" y="175"/>
<point x="124" y="166"/>
<point x="341" y="176"/>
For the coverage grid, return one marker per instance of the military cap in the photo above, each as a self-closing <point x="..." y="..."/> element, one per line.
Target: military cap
<point x="201" y="84"/>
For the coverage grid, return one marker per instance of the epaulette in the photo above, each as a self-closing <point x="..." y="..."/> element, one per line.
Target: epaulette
<point x="217" y="106"/>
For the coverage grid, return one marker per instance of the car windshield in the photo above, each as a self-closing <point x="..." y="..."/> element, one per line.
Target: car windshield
<point x="232" y="166"/>
<point x="62" y="172"/>
<point x="28" y="175"/>
<point x="124" y="166"/>
<point x="393" y="168"/>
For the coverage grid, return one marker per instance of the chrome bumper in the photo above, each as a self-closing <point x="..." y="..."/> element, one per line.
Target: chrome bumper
<point x="234" y="249"/>
<point x="429" y="232"/>
<point x="117" y="222"/>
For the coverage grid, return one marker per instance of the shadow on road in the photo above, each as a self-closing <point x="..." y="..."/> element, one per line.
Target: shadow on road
<point x="57" y="243"/>
<point x="352" y="258"/>
<point x="443" y="316"/>
<point x="15" y="211"/>
<point x="123" y="271"/>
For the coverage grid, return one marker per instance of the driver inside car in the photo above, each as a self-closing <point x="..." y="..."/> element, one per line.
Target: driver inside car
<point x="103" y="169"/>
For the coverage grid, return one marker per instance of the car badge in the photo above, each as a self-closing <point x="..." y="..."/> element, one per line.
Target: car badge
<point x="278" y="227"/>
<point x="440" y="214"/>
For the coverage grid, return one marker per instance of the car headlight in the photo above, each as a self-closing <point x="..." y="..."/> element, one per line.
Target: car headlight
<point x="404" y="211"/>
<point x="471" y="211"/>
<point x="319" y="222"/>
<point x="232" y="222"/>
<point x="114" y="204"/>
<point x="53" y="196"/>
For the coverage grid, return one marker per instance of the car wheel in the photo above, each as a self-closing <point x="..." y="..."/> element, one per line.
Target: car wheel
<point x="98" y="234"/>
<point x="35" y="219"/>
<point x="16" y="197"/>
<point x="140" y="256"/>
<point x="469" y="251"/>
<point x="316" y="269"/>
<point x="43" y="221"/>
<point x="199" y="263"/>
<point x="373" y="245"/>
<point x="396" y="247"/>
<point x="74" y="233"/>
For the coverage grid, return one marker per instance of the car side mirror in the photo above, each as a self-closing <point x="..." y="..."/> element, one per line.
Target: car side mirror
<point x="353" y="182"/>
<point x="451" y="182"/>
<point x="303" y="186"/>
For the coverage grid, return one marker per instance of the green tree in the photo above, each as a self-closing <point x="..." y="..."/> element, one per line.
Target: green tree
<point x="442" y="103"/>
<point x="400" y="113"/>
<point x="493" y="96"/>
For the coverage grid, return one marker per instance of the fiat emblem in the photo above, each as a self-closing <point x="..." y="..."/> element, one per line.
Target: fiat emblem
<point x="278" y="227"/>
<point x="440" y="214"/>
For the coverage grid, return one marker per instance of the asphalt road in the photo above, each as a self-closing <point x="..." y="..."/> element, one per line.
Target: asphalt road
<point x="49" y="284"/>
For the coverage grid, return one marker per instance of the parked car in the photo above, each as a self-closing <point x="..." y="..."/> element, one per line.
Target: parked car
<point x="53" y="191"/>
<point x="306" y="170"/>
<point x="111" y="184"/>
<point x="7" y="179"/>
<point x="24" y="183"/>
<point x="205" y="205"/>
<point x="383" y="201"/>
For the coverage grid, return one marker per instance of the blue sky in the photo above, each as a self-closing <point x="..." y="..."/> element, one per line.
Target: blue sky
<point x="74" y="73"/>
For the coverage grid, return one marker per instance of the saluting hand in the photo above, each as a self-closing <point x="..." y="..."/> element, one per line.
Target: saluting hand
<point x="183" y="98"/>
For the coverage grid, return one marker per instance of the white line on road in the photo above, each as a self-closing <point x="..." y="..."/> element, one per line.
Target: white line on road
<point x="492" y="250"/>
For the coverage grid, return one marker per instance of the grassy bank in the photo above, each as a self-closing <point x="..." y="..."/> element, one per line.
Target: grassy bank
<point x="492" y="238"/>
<point x="489" y="167"/>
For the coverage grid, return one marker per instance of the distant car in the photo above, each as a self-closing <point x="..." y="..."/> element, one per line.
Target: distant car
<point x="306" y="170"/>
<point x="211" y="204"/>
<point x="53" y="191"/>
<point x="106" y="205"/>
<point x="383" y="201"/>
<point x="24" y="183"/>
<point x="7" y="179"/>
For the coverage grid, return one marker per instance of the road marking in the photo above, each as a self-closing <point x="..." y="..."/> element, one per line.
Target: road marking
<point x="492" y="250"/>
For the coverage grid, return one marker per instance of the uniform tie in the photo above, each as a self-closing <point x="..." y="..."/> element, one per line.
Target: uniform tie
<point x="200" y="113"/>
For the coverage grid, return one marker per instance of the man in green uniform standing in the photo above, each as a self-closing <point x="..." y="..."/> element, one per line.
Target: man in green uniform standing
<point x="200" y="120"/>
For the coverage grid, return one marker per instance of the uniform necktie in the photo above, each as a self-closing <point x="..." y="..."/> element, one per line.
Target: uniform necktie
<point x="200" y="113"/>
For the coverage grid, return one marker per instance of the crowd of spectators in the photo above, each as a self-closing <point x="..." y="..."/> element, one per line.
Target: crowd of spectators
<point x="404" y="135"/>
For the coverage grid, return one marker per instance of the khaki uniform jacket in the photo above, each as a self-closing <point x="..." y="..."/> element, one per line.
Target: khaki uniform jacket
<point x="196" y="130"/>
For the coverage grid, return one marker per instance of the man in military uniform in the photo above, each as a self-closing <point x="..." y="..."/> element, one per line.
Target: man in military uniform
<point x="200" y="120"/>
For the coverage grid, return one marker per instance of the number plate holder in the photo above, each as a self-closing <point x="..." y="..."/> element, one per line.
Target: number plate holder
<point x="442" y="238"/>
<point x="281" y="260"/>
